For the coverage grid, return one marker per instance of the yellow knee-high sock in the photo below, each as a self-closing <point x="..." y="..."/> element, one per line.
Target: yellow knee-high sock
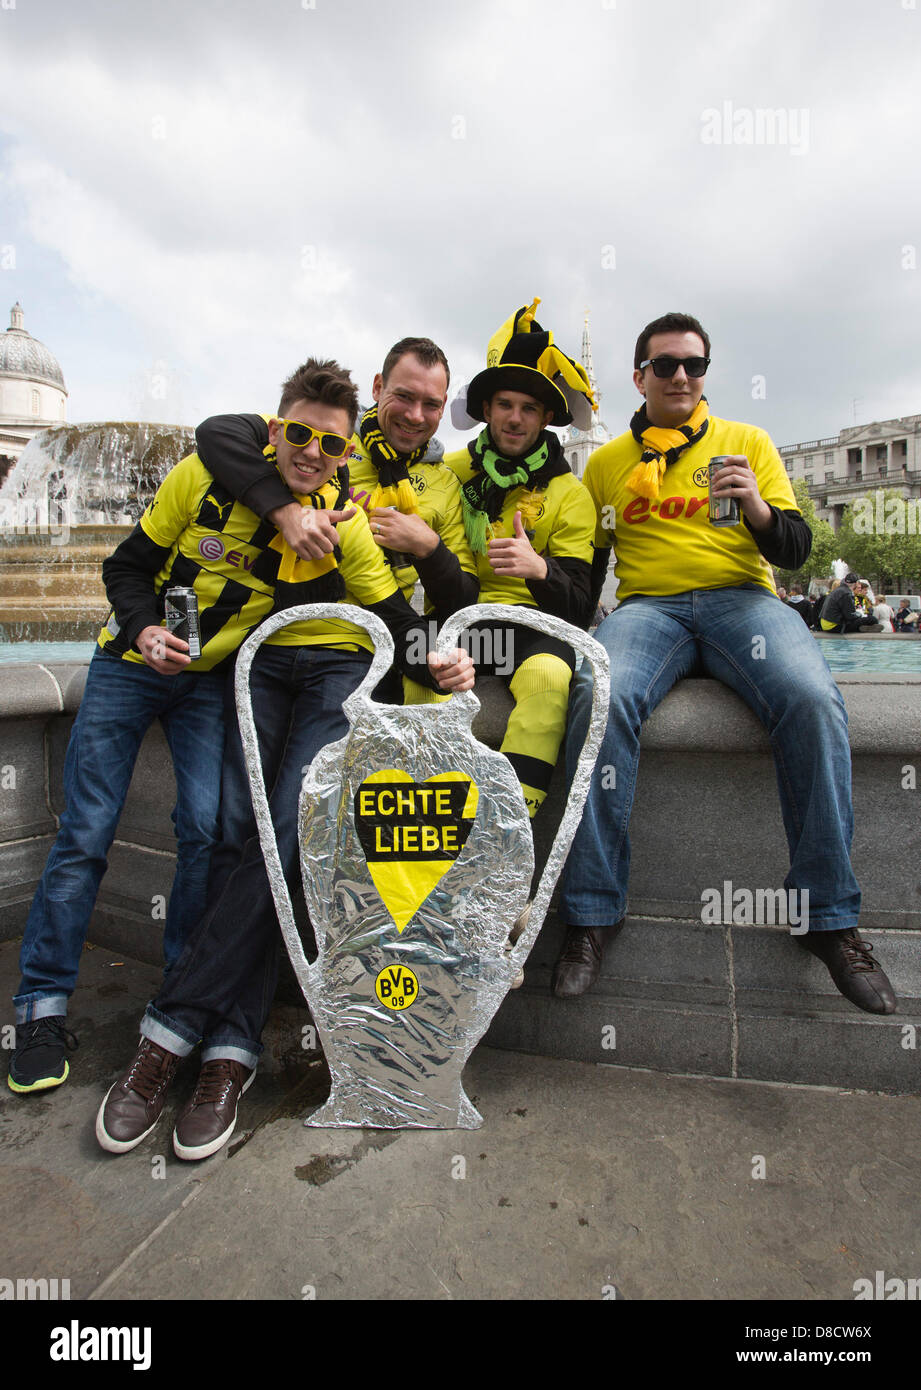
<point x="540" y="689"/>
<point x="416" y="694"/>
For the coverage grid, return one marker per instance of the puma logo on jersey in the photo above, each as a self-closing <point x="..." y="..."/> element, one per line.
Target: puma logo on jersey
<point x="220" y="507"/>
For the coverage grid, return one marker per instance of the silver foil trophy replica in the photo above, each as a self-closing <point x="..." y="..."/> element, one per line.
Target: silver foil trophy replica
<point x="417" y="859"/>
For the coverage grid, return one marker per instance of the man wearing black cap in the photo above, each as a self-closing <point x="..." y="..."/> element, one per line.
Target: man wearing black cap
<point x="839" y="611"/>
<point x="700" y="599"/>
<point x="529" y="524"/>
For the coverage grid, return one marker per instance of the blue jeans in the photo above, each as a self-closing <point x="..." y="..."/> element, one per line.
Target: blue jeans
<point x="221" y="988"/>
<point x="120" y="702"/>
<point x="652" y="643"/>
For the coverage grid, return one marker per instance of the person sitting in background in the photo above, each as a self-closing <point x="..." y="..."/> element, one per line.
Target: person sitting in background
<point x="800" y="603"/>
<point x="903" y="620"/>
<point x="863" y="598"/>
<point x="839" y="611"/>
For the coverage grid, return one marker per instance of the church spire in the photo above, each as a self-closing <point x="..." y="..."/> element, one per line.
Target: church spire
<point x="587" y="361"/>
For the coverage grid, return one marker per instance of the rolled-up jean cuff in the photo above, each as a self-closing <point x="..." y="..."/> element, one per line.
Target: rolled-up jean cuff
<point x="167" y="1033"/>
<point x="231" y="1053"/>
<point x="600" y="918"/>
<point x="31" y="1007"/>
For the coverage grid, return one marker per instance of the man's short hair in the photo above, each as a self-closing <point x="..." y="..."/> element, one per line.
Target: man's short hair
<point x="428" y="353"/>
<point x="668" y="323"/>
<point x="325" y="382"/>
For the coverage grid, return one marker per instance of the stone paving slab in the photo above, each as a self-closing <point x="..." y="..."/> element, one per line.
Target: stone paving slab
<point x="587" y="1182"/>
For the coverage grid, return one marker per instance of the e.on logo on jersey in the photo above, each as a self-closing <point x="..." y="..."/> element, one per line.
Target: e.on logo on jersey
<point x="669" y="509"/>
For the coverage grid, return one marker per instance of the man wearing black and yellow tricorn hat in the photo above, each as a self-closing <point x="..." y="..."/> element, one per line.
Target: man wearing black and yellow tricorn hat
<point x="396" y="475"/>
<point x="529" y="524"/>
<point x="700" y="599"/>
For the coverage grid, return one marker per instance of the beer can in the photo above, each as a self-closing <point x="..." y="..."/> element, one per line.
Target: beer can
<point x="182" y="618"/>
<point x="724" y="511"/>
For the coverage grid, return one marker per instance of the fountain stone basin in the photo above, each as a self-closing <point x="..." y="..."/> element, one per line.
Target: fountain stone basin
<point x="75" y="492"/>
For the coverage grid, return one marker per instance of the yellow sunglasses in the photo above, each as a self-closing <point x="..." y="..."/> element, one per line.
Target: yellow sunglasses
<point x="300" y="435"/>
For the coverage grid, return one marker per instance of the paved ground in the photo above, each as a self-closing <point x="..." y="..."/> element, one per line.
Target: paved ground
<point x="585" y="1182"/>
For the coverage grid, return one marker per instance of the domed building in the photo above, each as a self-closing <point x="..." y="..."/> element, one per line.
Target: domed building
<point x="32" y="391"/>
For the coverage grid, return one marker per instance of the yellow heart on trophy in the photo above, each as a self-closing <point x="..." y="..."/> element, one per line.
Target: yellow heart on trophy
<point x="412" y="832"/>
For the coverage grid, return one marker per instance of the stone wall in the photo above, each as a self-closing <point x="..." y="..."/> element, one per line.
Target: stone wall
<point x="725" y="1000"/>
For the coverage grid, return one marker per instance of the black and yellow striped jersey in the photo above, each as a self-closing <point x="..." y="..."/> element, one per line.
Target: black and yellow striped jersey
<point x="196" y="535"/>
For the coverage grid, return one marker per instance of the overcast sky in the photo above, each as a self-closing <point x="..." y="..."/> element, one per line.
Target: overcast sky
<point x="198" y="194"/>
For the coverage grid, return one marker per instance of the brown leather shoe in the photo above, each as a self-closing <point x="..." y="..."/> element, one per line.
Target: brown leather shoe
<point x="851" y="965"/>
<point x="579" y="962"/>
<point x="132" y="1106"/>
<point x="208" y="1121"/>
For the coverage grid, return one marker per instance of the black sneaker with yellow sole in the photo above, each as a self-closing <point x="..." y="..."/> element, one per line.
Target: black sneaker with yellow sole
<point x="39" y="1061"/>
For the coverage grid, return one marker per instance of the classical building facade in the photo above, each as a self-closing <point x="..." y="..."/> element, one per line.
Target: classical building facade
<point x="857" y="461"/>
<point x="32" y="391"/>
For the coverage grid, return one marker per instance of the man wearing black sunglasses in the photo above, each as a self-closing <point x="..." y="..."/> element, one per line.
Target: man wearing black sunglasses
<point x="700" y="599"/>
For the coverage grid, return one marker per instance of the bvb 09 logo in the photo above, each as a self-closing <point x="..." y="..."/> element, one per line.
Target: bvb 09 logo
<point x="396" y="987"/>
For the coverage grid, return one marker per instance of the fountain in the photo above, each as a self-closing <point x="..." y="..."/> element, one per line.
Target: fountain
<point x="73" y="494"/>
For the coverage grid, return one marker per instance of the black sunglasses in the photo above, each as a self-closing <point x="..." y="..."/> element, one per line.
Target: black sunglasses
<point x="668" y="366"/>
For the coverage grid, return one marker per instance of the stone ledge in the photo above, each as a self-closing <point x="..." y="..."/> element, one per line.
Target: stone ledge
<point x="685" y="996"/>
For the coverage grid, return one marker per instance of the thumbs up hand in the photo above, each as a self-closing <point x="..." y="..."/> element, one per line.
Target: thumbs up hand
<point x="514" y="557"/>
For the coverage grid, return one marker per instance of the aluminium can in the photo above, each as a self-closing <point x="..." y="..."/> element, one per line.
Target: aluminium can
<point x="182" y="618"/>
<point x="724" y="511"/>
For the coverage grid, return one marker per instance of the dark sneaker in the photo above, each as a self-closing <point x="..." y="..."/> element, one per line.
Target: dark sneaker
<point x="851" y="965"/>
<point x="133" y="1105"/>
<point x="579" y="962"/>
<point x="38" y="1062"/>
<point x="208" y="1121"/>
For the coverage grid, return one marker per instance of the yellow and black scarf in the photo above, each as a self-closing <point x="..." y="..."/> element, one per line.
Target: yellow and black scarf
<point x="483" y="495"/>
<point x="393" y="486"/>
<point x="311" y="581"/>
<point x="663" y="446"/>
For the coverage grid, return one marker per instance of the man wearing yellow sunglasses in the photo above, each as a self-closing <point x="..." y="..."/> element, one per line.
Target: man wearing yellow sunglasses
<point x="221" y="988"/>
<point x="396" y="475"/>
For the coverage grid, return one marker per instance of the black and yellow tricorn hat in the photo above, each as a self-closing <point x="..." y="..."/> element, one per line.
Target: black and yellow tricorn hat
<point x="523" y="357"/>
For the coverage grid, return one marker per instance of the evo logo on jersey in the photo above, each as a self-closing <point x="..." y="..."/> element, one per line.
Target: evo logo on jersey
<point x="412" y="832"/>
<point x="670" y="508"/>
<point x="212" y="548"/>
